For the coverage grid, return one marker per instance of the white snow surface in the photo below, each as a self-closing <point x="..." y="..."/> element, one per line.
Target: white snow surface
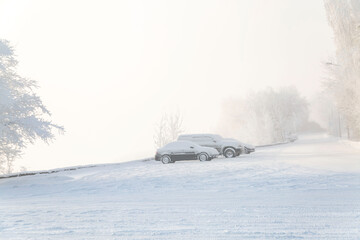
<point x="309" y="189"/>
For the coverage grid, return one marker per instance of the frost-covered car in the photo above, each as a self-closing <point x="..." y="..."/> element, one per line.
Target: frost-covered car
<point x="226" y="146"/>
<point x="184" y="150"/>
<point x="246" y="148"/>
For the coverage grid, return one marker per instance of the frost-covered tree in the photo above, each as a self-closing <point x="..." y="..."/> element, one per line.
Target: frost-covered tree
<point x="22" y="113"/>
<point x="168" y="129"/>
<point x="344" y="73"/>
<point x="161" y="134"/>
<point x="174" y="126"/>
<point x="264" y="117"/>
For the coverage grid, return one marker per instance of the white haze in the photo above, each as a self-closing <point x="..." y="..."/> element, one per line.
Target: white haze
<point x="108" y="70"/>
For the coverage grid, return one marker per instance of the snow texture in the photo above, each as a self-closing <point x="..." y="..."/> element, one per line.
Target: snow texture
<point x="304" y="190"/>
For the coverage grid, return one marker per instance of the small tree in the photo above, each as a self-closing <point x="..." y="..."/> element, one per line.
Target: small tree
<point x="168" y="129"/>
<point x="161" y="136"/>
<point x="174" y="126"/>
<point x="22" y="113"/>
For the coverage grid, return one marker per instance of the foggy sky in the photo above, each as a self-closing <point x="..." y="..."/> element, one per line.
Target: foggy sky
<point x="108" y="70"/>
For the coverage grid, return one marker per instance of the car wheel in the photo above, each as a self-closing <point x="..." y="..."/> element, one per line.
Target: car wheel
<point x="229" y="153"/>
<point x="166" y="159"/>
<point x="203" y="157"/>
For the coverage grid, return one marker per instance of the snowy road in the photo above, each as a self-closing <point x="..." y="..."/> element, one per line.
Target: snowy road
<point x="306" y="190"/>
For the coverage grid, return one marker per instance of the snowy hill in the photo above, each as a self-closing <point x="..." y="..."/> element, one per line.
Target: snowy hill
<point x="309" y="189"/>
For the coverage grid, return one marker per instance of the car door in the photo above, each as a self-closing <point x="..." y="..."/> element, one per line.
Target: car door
<point x="182" y="151"/>
<point x="207" y="141"/>
<point x="177" y="153"/>
<point x="214" y="142"/>
<point x="190" y="152"/>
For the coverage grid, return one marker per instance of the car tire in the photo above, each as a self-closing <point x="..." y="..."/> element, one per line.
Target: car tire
<point x="203" y="157"/>
<point x="229" y="153"/>
<point x="166" y="159"/>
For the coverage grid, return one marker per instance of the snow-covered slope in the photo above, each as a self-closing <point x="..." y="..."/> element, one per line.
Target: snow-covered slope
<point x="306" y="190"/>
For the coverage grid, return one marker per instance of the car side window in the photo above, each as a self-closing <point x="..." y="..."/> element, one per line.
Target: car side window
<point x="172" y="146"/>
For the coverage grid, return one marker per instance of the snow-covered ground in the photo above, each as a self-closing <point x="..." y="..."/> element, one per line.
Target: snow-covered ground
<point x="309" y="189"/>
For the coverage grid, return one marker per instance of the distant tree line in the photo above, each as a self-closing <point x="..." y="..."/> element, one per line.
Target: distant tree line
<point x="264" y="117"/>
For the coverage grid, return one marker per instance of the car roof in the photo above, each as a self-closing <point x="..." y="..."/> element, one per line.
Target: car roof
<point x="180" y="142"/>
<point x="199" y="135"/>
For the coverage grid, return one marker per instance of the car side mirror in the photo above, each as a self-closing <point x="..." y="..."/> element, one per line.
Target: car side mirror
<point x="191" y="147"/>
<point x="214" y="141"/>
